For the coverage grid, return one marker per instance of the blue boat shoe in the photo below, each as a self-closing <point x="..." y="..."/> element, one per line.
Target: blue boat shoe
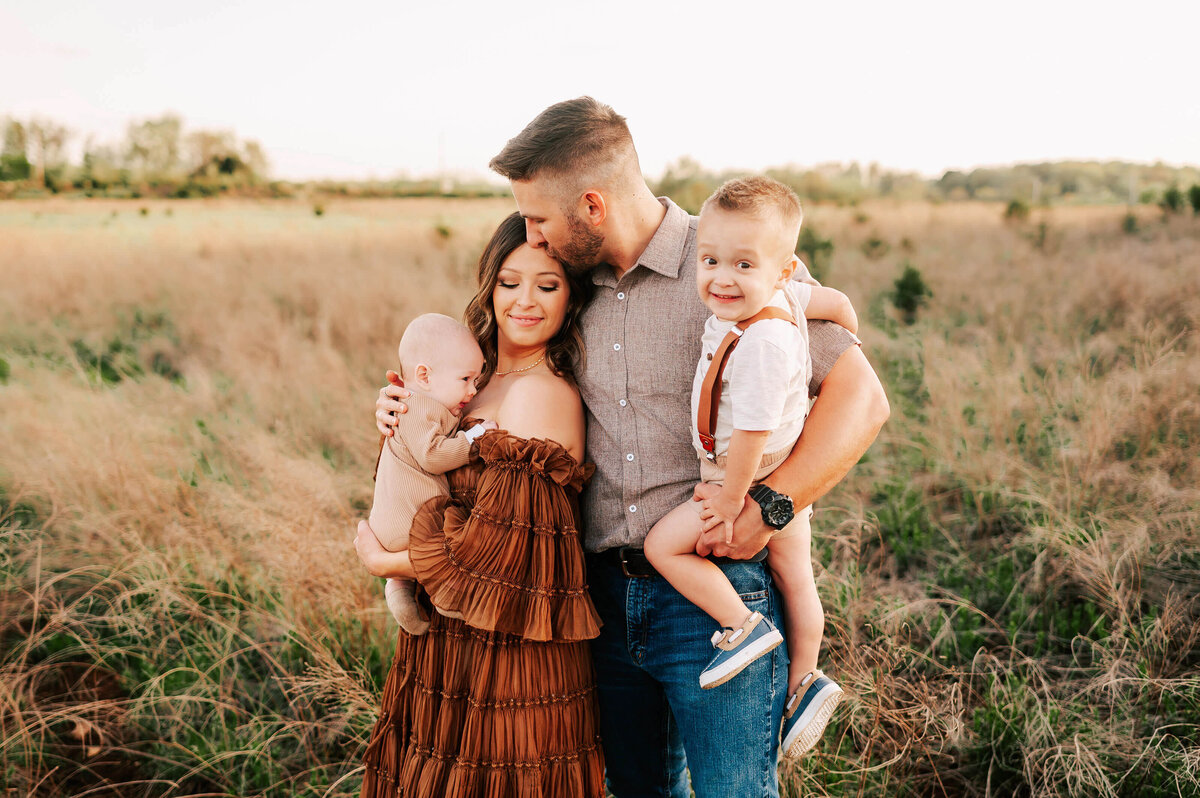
<point x="737" y="648"/>
<point x="807" y="712"/>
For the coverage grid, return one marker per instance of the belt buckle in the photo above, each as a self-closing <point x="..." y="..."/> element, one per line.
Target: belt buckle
<point x="624" y="562"/>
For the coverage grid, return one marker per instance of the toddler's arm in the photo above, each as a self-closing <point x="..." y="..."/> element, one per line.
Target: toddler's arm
<point x="832" y="305"/>
<point x="745" y="453"/>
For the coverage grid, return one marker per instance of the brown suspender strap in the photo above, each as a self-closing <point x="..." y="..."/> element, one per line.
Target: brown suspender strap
<point x="710" y="390"/>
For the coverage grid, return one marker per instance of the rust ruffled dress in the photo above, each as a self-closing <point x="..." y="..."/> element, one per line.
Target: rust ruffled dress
<point x="501" y="703"/>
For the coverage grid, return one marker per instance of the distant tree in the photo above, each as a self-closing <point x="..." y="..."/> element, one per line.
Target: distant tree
<point x="152" y="147"/>
<point x="206" y="147"/>
<point x="14" y="160"/>
<point x="1194" y="197"/>
<point x="48" y="141"/>
<point x="16" y="142"/>
<point x="101" y="167"/>
<point x="255" y="159"/>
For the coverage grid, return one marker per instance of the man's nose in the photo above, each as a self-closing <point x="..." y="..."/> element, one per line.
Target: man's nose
<point x="533" y="235"/>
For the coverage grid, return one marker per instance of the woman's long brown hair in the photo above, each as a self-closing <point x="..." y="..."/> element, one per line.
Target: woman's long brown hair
<point x="564" y="352"/>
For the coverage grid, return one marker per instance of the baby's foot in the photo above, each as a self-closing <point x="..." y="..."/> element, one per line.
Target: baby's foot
<point x="807" y="712"/>
<point x="401" y="595"/>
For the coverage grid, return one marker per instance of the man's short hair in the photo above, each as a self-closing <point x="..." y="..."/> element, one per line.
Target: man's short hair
<point x="580" y="137"/>
<point x="759" y="196"/>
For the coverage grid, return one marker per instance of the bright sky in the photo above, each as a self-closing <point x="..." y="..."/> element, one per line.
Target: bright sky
<point x="382" y="88"/>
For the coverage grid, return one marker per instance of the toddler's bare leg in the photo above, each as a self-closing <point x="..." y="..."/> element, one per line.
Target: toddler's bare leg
<point x="671" y="549"/>
<point x="790" y="559"/>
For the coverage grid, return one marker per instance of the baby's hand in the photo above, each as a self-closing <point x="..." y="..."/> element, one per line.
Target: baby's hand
<point x="474" y="433"/>
<point x="721" y="509"/>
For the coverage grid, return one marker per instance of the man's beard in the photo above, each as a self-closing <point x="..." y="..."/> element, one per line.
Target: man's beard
<point x="579" y="254"/>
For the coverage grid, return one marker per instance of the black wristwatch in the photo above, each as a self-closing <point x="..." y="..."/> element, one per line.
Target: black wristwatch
<point x="777" y="509"/>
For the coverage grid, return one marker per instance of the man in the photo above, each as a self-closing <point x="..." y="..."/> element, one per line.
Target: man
<point x="578" y="184"/>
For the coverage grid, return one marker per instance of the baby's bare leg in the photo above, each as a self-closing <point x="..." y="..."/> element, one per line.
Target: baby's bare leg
<point x="790" y="559"/>
<point x="671" y="549"/>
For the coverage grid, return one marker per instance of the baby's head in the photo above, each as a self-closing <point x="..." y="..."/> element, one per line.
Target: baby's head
<point x="745" y="245"/>
<point x="440" y="358"/>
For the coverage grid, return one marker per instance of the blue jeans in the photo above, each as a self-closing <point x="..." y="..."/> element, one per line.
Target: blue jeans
<point x="648" y="659"/>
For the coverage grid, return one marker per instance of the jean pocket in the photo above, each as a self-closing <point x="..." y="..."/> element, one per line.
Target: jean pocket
<point x="750" y="598"/>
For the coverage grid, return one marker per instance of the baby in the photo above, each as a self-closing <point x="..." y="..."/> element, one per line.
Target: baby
<point x="439" y="363"/>
<point x="750" y="404"/>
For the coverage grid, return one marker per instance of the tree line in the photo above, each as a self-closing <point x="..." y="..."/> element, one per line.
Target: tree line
<point x="1057" y="182"/>
<point x="157" y="156"/>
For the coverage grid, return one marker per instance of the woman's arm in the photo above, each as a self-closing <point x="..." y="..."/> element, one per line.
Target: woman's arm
<point x="832" y="305"/>
<point x="379" y="561"/>
<point x="543" y="406"/>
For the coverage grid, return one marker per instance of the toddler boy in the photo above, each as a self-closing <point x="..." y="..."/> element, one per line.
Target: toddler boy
<point x="749" y="401"/>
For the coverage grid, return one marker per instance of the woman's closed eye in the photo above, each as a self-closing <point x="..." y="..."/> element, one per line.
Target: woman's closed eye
<point x="503" y="284"/>
<point x="549" y="289"/>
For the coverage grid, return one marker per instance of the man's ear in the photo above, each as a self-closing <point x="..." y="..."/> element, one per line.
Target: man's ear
<point x="593" y="207"/>
<point x="421" y="375"/>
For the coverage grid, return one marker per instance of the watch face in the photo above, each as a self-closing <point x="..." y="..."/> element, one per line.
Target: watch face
<point x="777" y="509"/>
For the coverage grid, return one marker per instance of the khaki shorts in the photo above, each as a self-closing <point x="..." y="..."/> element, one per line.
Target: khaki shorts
<point x="714" y="473"/>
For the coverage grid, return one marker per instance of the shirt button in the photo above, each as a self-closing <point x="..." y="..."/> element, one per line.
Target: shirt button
<point x="629" y="457"/>
<point x="623" y="403"/>
<point x="633" y="508"/>
<point x="620" y="295"/>
<point x="616" y="347"/>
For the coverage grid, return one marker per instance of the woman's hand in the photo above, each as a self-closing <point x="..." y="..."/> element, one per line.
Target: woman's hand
<point x="388" y="406"/>
<point x="379" y="561"/>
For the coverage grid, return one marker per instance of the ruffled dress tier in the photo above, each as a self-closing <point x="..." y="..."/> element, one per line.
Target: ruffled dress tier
<point x="500" y="703"/>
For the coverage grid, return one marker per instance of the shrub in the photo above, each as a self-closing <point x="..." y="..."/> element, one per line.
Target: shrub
<point x="1129" y="225"/>
<point x="1038" y="236"/>
<point x="911" y="293"/>
<point x="1194" y="197"/>
<point x="318" y="209"/>
<point x="1017" y="211"/>
<point x="875" y="247"/>
<point x="1172" y="200"/>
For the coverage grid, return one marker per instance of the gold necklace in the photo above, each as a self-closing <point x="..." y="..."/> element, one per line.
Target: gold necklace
<point x="526" y="368"/>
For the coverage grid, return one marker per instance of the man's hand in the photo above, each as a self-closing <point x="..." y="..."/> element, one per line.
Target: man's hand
<point x="388" y="407"/>
<point x="750" y="534"/>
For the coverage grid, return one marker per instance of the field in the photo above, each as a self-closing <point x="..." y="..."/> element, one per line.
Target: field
<point x="186" y="390"/>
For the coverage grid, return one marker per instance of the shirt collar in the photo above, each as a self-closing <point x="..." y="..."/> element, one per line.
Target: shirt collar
<point x="666" y="250"/>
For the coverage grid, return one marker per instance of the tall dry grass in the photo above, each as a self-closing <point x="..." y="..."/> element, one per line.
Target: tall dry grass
<point x="1010" y="576"/>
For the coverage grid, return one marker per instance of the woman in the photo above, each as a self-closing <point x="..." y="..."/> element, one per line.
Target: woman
<point x="501" y="702"/>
